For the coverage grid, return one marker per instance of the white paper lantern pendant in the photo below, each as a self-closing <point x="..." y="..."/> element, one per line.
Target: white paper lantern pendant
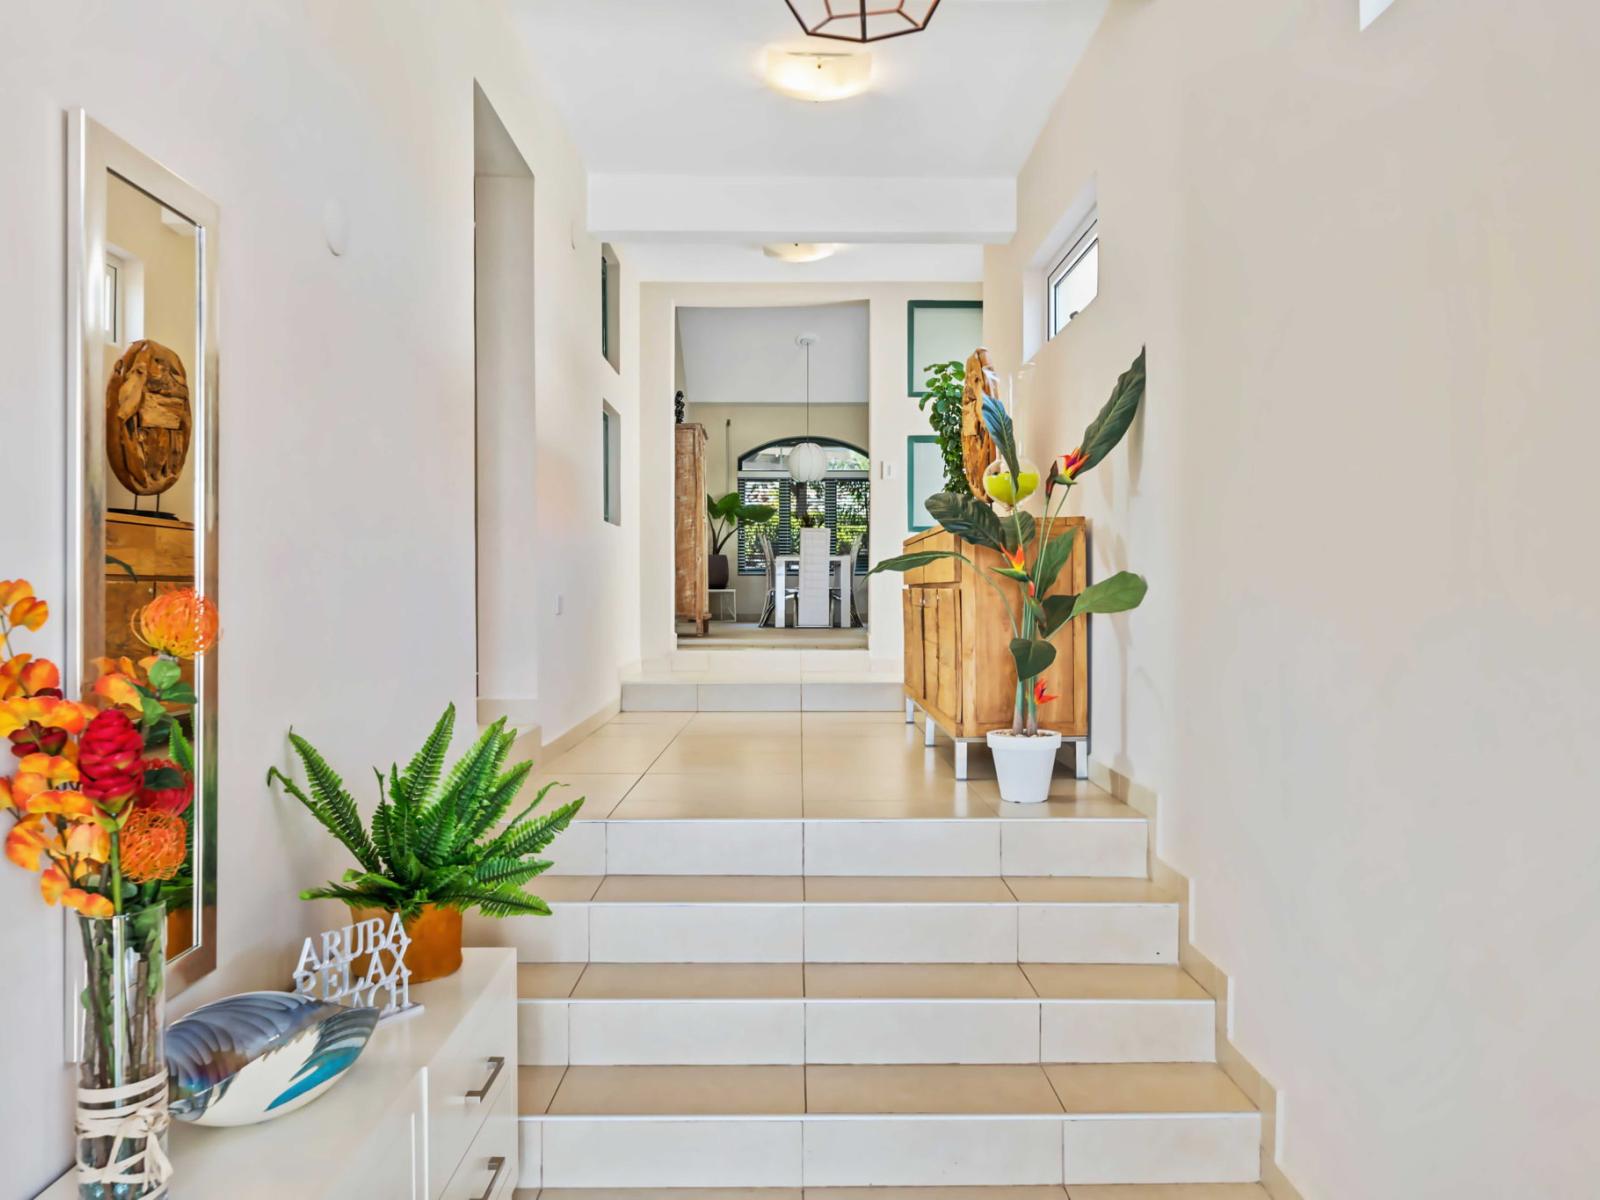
<point x="808" y="462"/>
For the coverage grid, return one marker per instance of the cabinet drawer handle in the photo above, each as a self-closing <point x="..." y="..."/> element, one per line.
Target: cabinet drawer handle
<point x="482" y="1093"/>
<point x="496" y="1164"/>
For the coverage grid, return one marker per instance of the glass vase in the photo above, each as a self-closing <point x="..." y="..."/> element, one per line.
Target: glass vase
<point x="122" y="1075"/>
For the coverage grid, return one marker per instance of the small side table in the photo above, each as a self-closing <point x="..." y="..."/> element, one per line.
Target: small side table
<point x="717" y="596"/>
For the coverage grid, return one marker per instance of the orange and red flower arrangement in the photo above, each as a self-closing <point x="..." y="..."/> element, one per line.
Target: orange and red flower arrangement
<point x="98" y="796"/>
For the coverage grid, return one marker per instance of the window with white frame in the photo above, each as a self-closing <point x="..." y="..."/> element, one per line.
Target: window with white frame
<point x="114" y="305"/>
<point x="1074" y="281"/>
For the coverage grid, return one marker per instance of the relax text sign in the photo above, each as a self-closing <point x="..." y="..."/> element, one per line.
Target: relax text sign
<point x="329" y="968"/>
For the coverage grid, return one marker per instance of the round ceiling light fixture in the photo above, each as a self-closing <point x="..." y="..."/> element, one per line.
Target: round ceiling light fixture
<point x="818" y="75"/>
<point x="862" y="20"/>
<point x="800" y="252"/>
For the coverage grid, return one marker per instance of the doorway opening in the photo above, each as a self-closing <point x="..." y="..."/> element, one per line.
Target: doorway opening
<point x="782" y="394"/>
<point x="505" y="420"/>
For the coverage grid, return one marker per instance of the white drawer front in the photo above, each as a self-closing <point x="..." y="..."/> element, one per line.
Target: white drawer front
<point x="488" y="1170"/>
<point x="481" y="1058"/>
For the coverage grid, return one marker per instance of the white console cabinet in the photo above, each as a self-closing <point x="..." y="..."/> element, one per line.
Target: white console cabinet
<point x="429" y="1112"/>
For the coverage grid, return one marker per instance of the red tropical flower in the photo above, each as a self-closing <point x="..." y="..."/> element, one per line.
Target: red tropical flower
<point x="109" y="758"/>
<point x="174" y="800"/>
<point x="1040" y="696"/>
<point x="1064" y="469"/>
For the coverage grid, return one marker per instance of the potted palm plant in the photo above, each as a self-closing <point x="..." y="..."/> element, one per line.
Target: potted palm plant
<point x="1024" y="755"/>
<point x="727" y="514"/>
<point x="438" y="843"/>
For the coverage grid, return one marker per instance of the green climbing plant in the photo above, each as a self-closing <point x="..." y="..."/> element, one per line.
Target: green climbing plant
<point x="941" y="400"/>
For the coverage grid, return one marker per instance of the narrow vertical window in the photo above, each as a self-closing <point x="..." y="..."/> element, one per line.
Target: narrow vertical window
<point x="610" y="307"/>
<point x="611" y="464"/>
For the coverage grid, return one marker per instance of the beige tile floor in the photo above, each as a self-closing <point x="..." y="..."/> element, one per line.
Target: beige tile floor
<point x="788" y="765"/>
<point x="1012" y="1090"/>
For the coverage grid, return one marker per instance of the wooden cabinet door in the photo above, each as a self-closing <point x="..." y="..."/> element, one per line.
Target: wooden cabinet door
<point x="942" y="639"/>
<point x="911" y="607"/>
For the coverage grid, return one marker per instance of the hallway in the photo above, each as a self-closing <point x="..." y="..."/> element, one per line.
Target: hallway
<point x="801" y="955"/>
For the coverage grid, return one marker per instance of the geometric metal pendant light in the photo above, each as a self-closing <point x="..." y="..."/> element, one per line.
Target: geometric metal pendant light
<point x="862" y="20"/>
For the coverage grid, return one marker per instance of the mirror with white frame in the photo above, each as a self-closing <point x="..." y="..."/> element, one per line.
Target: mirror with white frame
<point x="142" y="456"/>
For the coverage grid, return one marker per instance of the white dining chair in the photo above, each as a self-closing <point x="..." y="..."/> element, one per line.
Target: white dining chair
<point x="816" y="571"/>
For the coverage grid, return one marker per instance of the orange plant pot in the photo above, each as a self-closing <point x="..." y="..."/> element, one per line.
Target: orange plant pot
<point x="435" y="949"/>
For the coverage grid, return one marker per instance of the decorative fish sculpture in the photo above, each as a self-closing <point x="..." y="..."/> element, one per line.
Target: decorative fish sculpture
<point x="259" y="1055"/>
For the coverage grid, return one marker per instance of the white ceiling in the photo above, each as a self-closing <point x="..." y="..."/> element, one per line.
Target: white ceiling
<point x="673" y="87"/>
<point x="715" y="262"/>
<point x="749" y="355"/>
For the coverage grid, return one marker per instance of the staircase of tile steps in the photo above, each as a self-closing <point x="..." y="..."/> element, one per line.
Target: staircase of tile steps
<point x="932" y="992"/>
<point x="731" y="680"/>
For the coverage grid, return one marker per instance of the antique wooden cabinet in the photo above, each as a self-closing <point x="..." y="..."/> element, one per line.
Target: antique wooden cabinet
<point x="145" y="557"/>
<point x="958" y="665"/>
<point x="692" y="534"/>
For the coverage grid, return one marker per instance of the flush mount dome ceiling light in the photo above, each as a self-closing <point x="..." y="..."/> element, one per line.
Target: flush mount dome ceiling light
<point x="862" y="20"/>
<point x="818" y="75"/>
<point x="799" y="252"/>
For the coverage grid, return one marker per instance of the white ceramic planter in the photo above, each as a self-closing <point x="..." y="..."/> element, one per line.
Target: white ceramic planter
<point x="1024" y="765"/>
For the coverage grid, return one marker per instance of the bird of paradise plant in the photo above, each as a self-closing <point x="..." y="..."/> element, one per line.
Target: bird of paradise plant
<point x="91" y="773"/>
<point x="1035" y="614"/>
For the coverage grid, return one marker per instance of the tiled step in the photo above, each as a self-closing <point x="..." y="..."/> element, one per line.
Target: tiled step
<point x="654" y="834"/>
<point x="810" y="692"/>
<point x="733" y="919"/>
<point x="883" y="1126"/>
<point x="817" y="793"/>
<point x="788" y="1013"/>
<point x="1170" y="1191"/>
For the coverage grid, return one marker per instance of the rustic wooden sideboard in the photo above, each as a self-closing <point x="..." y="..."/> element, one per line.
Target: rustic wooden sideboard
<point x="958" y="665"/>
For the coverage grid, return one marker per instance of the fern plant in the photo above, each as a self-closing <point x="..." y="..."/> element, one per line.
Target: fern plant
<point x="431" y="840"/>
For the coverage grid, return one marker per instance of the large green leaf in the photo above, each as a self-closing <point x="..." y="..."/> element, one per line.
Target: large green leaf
<point x="1122" y="591"/>
<point x="1033" y="657"/>
<point x="910" y="562"/>
<point x="1107" y="429"/>
<point x="1052" y="558"/>
<point x="1057" y="612"/>
<point x="1004" y="433"/>
<point x="968" y="518"/>
<point x="724" y="508"/>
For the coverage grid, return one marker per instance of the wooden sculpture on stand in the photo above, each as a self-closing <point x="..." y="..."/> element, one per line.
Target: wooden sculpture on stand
<point x="977" y="447"/>
<point x="148" y="420"/>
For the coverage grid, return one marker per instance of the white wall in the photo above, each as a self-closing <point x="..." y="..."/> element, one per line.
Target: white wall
<point x="509" y="560"/>
<point x="346" y="427"/>
<point x="893" y="417"/>
<point x="751" y="355"/>
<point x="1364" y="683"/>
